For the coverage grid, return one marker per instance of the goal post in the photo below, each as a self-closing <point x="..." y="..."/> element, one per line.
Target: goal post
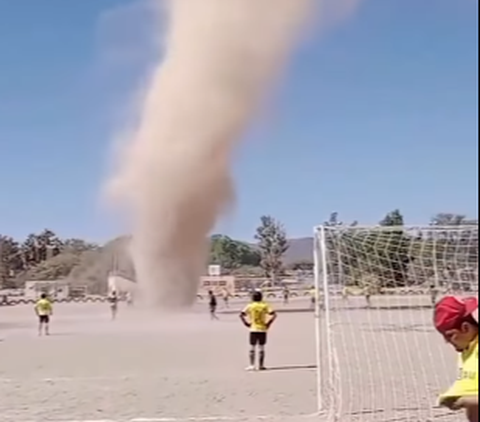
<point x="378" y="354"/>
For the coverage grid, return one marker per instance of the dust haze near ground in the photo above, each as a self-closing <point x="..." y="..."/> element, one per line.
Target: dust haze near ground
<point x="393" y="365"/>
<point x="221" y="58"/>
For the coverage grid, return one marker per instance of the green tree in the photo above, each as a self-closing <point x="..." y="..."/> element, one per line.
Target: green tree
<point x="393" y="219"/>
<point x="272" y="243"/>
<point x="40" y="247"/>
<point x="11" y="262"/>
<point x="448" y="219"/>
<point x="49" y="244"/>
<point x="392" y="248"/>
<point x="333" y="220"/>
<point x="29" y="251"/>
<point x="77" y="246"/>
<point x="373" y="258"/>
<point x="232" y="254"/>
<point x="248" y="255"/>
<point x="454" y="247"/>
<point x="341" y="251"/>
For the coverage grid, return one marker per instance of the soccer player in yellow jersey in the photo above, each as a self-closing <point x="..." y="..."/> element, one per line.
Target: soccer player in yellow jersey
<point x="44" y="310"/>
<point x="258" y="316"/>
<point x="457" y="320"/>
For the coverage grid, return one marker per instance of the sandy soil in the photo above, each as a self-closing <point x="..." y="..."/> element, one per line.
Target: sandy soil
<point x="148" y="368"/>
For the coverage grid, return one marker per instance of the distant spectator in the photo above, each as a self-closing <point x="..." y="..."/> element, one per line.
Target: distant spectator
<point x="113" y="300"/>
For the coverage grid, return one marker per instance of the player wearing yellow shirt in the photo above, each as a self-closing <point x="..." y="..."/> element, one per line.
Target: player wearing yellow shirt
<point x="457" y="320"/>
<point x="258" y="316"/>
<point x="44" y="310"/>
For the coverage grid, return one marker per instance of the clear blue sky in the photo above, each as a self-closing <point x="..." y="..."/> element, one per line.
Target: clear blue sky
<point x="378" y="113"/>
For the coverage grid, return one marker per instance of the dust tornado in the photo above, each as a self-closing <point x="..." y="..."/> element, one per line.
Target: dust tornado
<point x="221" y="57"/>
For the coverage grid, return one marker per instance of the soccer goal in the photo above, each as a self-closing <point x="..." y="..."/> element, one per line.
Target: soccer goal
<point x="380" y="358"/>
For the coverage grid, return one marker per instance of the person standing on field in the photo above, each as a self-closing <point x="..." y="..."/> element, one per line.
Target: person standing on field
<point x="286" y="295"/>
<point x="226" y="298"/>
<point x="113" y="300"/>
<point x="456" y="319"/>
<point x="433" y="290"/>
<point x="44" y="311"/>
<point x="258" y="316"/>
<point x="313" y="297"/>
<point x="212" y="304"/>
<point x="129" y="298"/>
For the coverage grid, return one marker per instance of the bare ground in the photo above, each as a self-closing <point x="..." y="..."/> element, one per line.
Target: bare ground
<point x="149" y="368"/>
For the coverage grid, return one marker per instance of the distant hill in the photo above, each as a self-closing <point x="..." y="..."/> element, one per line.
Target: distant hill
<point x="300" y="250"/>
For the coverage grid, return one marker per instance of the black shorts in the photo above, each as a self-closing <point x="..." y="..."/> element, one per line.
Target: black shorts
<point x="44" y="319"/>
<point x="259" y="339"/>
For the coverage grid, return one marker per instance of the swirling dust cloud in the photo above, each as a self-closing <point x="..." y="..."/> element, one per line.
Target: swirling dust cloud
<point x="220" y="59"/>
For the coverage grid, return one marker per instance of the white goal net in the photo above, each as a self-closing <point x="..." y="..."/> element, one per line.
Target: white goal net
<point x="381" y="358"/>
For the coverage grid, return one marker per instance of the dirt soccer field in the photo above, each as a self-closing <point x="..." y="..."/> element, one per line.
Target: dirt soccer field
<point x="146" y="368"/>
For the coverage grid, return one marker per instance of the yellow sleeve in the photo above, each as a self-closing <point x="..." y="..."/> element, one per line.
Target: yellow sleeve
<point x="246" y="310"/>
<point x="467" y="383"/>
<point x="270" y="310"/>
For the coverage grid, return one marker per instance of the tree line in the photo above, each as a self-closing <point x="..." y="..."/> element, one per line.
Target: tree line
<point x="393" y="255"/>
<point x="389" y="256"/>
<point x="19" y="259"/>
<point x="45" y="256"/>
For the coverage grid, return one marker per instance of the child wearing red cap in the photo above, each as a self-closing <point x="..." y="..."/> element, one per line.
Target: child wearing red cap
<point x="457" y="320"/>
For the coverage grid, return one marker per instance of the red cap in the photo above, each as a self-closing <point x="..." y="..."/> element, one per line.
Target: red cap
<point x="451" y="311"/>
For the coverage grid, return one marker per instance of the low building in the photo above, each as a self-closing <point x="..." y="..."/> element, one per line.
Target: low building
<point x="218" y="284"/>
